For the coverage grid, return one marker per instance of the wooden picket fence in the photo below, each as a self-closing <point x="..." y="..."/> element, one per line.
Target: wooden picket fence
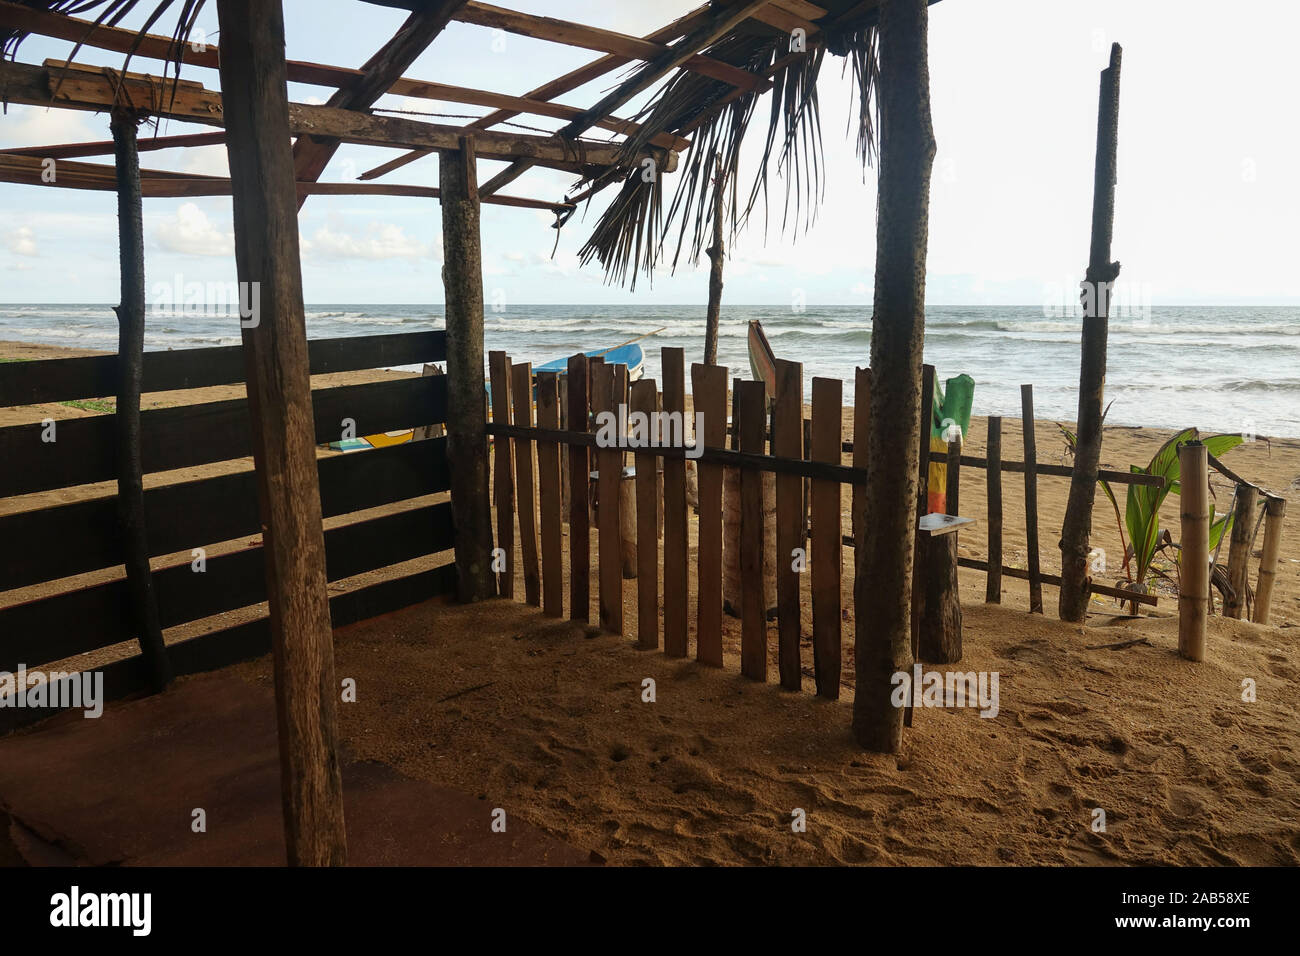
<point x="544" y="469"/>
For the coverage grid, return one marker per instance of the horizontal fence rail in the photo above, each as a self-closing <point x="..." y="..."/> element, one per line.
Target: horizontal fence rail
<point x="60" y="541"/>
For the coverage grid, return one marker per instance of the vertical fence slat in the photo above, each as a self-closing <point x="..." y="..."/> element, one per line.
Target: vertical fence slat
<point x="861" y="439"/>
<point x="609" y="464"/>
<point x="521" y="393"/>
<point x="626" y="496"/>
<point x="676" y="547"/>
<point x="709" y="393"/>
<point x="645" y="399"/>
<point x="1031" y="499"/>
<point x="751" y="428"/>
<point x="1274" y="513"/>
<point x="993" y="477"/>
<point x="503" y="479"/>
<point x="579" y="515"/>
<point x="787" y="442"/>
<point x="548" y="486"/>
<point x="922" y="507"/>
<point x="827" y="438"/>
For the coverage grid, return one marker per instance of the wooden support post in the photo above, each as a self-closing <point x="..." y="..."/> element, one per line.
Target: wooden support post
<point x="462" y="281"/>
<point x="882" y="582"/>
<point x="709" y="395"/>
<point x="1274" y="512"/>
<point x="787" y="442"/>
<point x="521" y="394"/>
<point x="626" y="495"/>
<point x="1243" y="531"/>
<point x="278" y="376"/>
<point x="503" y="479"/>
<point x="645" y="400"/>
<point x="751" y="427"/>
<point x="717" y="256"/>
<point x="676" y="554"/>
<point x="940" y="635"/>
<point x="1194" y="573"/>
<point x="548" y="486"/>
<point x="1072" y="604"/>
<point x="579" y="509"/>
<point x="993" y="477"/>
<point x="130" y="364"/>
<point x="827" y="441"/>
<point x="1031" y="499"/>
<point x="609" y="464"/>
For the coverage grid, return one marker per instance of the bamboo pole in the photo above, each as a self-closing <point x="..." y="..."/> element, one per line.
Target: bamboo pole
<point x="130" y="352"/>
<point x="1194" y="574"/>
<point x="467" y="451"/>
<point x="1243" y="533"/>
<point x="1274" y="512"/>
<point x="993" y="478"/>
<point x="284" y="450"/>
<point x="1072" y="603"/>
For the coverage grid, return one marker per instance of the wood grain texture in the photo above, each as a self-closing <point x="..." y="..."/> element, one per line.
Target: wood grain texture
<point x="548" y="485"/>
<point x="609" y="460"/>
<point x="579" y="478"/>
<point x="787" y="442"/>
<point x="503" y="478"/>
<point x="279" y="395"/>
<point x="827" y="412"/>
<point x="709" y="396"/>
<point x="645" y="400"/>
<point x="521" y="396"/>
<point x="676" y="541"/>
<point x="751" y="429"/>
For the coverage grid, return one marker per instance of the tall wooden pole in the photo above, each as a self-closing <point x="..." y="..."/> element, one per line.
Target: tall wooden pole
<point x="255" y="98"/>
<point x="130" y="370"/>
<point x="882" y="582"/>
<point x="717" y="256"/>
<point x="1194" y="564"/>
<point x="462" y="282"/>
<point x="1072" y="604"/>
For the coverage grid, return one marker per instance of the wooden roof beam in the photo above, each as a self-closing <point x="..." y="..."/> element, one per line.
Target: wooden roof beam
<point x="105" y="148"/>
<point x="97" y="90"/>
<point x="711" y="31"/>
<point x="159" y="183"/>
<point x="153" y="46"/>
<point x="311" y="154"/>
<point x="561" y="85"/>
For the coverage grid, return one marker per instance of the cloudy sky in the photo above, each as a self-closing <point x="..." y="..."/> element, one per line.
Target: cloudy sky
<point x="1206" y="211"/>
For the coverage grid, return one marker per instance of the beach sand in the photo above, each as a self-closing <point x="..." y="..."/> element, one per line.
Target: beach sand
<point x="546" y="718"/>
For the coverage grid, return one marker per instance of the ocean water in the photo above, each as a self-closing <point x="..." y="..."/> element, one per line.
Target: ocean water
<point x="1222" y="369"/>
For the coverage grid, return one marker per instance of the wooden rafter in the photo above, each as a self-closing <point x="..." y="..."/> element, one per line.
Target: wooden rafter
<point x="152" y="46"/>
<point x="105" y="147"/>
<point x="166" y="184"/>
<point x="559" y="86"/>
<point x="98" y="89"/>
<point x="311" y="154"/>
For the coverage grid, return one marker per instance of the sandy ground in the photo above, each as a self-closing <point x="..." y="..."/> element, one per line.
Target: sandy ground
<point x="547" y="718"/>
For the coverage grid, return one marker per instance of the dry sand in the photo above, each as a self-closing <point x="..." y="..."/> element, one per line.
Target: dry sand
<point x="546" y="718"/>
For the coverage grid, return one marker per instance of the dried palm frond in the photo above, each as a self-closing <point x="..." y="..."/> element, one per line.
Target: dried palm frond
<point x="717" y="119"/>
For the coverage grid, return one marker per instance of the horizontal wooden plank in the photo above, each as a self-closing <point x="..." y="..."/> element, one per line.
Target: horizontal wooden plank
<point x="95" y="376"/>
<point x="74" y="622"/>
<point x="63" y="540"/>
<point x="1055" y="580"/>
<point x="252" y="639"/>
<point x="191" y="435"/>
<point x="718" y="456"/>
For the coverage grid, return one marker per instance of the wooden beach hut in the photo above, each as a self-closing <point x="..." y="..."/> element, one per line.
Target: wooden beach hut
<point x="704" y="82"/>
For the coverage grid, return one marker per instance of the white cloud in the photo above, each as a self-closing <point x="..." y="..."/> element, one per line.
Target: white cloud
<point x="36" y="126"/>
<point x="206" y="161"/>
<point x="22" y="241"/>
<point x="190" y="232"/>
<point x="380" y="241"/>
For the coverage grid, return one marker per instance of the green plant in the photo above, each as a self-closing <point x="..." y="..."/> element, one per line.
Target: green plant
<point x="1139" y="527"/>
